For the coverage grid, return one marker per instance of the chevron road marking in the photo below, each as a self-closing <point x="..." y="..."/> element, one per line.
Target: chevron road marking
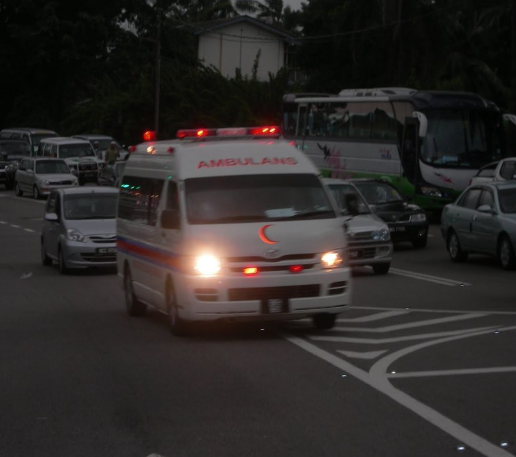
<point x="362" y="355"/>
<point x="374" y="317"/>
<point x="464" y="371"/>
<point x="393" y="328"/>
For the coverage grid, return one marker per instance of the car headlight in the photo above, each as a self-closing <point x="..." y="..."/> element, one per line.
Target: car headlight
<point x="331" y="259"/>
<point x="206" y="265"/>
<point x="75" y="182"/>
<point x="431" y="192"/>
<point x="45" y="182"/>
<point x="381" y="235"/>
<point x="420" y="217"/>
<point x="74" y="235"/>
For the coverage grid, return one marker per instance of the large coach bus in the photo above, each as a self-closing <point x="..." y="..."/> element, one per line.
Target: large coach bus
<point x="427" y="143"/>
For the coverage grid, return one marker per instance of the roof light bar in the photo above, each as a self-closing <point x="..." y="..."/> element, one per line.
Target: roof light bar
<point x="262" y="131"/>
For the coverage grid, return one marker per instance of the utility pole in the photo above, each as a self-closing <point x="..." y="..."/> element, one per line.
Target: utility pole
<point x="157" y="74"/>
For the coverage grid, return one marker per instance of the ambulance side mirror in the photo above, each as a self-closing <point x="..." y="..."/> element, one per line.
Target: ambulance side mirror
<point x="170" y="219"/>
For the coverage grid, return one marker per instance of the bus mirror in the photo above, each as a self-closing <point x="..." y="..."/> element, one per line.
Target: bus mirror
<point x="170" y="219"/>
<point x="423" y="123"/>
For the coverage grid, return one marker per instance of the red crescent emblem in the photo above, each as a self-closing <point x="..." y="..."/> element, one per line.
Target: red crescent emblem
<point x="263" y="236"/>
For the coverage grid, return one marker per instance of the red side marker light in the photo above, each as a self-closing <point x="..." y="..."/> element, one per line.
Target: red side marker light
<point x="170" y="150"/>
<point x="149" y="135"/>
<point x="131" y="148"/>
<point x="296" y="268"/>
<point x="250" y="271"/>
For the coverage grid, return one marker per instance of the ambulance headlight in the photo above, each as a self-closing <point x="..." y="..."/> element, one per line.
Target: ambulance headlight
<point x="331" y="259"/>
<point x="207" y="265"/>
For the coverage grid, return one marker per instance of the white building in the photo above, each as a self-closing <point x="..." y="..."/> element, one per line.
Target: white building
<point x="238" y="42"/>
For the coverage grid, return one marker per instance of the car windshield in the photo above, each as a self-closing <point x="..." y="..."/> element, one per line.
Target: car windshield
<point x="256" y="198"/>
<point x="51" y="166"/>
<point x="90" y="206"/>
<point x="378" y="193"/>
<point x="507" y="198"/>
<point x="76" y="150"/>
<point x="15" y="147"/>
<point x="339" y="192"/>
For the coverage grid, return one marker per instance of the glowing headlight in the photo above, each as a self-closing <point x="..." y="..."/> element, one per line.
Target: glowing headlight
<point x="331" y="259"/>
<point x="207" y="265"/>
<point x="74" y="235"/>
<point x="421" y="217"/>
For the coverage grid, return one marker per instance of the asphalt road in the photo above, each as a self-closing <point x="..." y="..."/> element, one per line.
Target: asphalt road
<point x="423" y="365"/>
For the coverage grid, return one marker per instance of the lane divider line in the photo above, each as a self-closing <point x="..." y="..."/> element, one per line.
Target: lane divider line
<point x="430" y="278"/>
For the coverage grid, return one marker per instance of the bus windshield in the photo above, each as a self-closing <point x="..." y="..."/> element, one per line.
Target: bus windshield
<point x="461" y="138"/>
<point x="256" y="198"/>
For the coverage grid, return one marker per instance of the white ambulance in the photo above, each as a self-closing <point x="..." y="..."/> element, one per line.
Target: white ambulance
<point x="229" y="224"/>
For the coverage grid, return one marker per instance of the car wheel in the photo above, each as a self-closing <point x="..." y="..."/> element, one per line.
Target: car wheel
<point x="45" y="259"/>
<point x="134" y="306"/>
<point x="506" y="254"/>
<point x="178" y="326"/>
<point x="324" y="321"/>
<point x="420" y="242"/>
<point x="36" y="193"/>
<point x="454" y="249"/>
<point x="17" y="191"/>
<point x="381" y="268"/>
<point x="63" y="268"/>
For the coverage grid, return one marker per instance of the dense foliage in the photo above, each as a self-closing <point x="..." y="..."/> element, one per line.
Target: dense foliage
<point x="91" y="67"/>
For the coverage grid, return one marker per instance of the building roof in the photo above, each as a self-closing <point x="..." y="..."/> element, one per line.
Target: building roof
<point x="219" y="24"/>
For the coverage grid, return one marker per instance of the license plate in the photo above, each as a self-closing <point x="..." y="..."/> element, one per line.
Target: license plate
<point x="353" y="254"/>
<point x="397" y="229"/>
<point x="275" y="306"/>
<point x="106" y="251"/>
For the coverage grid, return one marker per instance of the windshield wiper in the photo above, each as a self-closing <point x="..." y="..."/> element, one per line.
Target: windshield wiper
<point x="311" y="214"/>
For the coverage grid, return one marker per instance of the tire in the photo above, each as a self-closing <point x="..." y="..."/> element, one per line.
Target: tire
<point x="506" y="254"/>
<point x="17" y="191"/>
<point x="63" y="268"/>
<point x="454" y="249"/>
<point x="45" y="259"/>
<point x="178" y="326"/>
<point x="381" y="268"/>
<point x="36" y="193"/>
<point x="133" y="306"/>
<point x="420" y="242"/>
<point x="324" y="321"/>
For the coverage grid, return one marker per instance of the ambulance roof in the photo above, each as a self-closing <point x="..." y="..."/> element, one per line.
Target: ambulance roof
<point x="222" y="157"/>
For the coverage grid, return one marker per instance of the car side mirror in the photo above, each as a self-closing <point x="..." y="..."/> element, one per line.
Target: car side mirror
<point x="485" y="209"/>
<point x="170" y="219"/>
<point x="51" y="217"/>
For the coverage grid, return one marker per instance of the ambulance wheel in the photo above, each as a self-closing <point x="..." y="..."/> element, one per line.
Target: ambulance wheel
<point x="324" y="321"/>
<point x="134" y="306"/>
<point x="178" y="326"/>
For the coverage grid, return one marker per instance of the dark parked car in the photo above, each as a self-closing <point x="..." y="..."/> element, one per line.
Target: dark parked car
<point x="406" y="222"/>
<point x="11" y="154"/>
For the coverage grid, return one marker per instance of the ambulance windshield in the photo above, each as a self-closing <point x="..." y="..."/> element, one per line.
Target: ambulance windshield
<point x="256" y="198"/>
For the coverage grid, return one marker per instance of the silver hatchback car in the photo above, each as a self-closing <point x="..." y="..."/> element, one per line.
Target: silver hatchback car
<point x="80" y="228"/>
<point x="38" y="176"/>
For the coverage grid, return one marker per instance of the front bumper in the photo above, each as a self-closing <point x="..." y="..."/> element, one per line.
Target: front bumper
<point x="367" y="254"/>
<point x="261" y="298"/>
<point x="407" y="231"/>
<point x="85" y="255"/>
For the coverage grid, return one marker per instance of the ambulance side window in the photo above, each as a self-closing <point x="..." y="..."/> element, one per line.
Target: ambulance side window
<point x="139" y="199"/>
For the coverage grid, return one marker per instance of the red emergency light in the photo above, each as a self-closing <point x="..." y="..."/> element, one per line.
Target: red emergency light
<point x="149" y="135"/>
<point x="234" y="132"/>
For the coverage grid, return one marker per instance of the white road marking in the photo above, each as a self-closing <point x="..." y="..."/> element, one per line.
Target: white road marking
<point x="430" y="278"/>
<point x="14" y="226"/>
<point x="362" y="355"/>
<point x="374" y="317"/>
<point x="377" y="379"/>
<point x="2" y="222"/>
<point x="436" y="311"/>
<point x="393" y="328"/>
<point x="29" y="230"/>
<point x="426" y="336"/>
<point x="464" y="371"/>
